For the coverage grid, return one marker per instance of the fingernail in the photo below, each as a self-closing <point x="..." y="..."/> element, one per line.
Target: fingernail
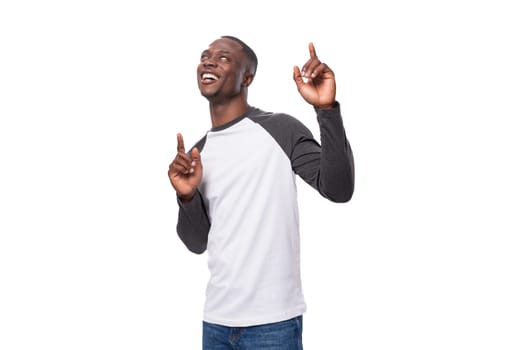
<point x="193" y="163"/>
<point x="191" y="170"/>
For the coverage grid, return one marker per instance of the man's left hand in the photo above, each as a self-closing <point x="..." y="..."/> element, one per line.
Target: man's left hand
<point x="315" y="81"/>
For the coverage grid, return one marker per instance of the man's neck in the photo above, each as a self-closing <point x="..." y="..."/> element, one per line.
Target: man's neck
<point x="224" y="113"/>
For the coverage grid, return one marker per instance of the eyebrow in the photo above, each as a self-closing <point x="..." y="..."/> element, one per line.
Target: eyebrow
<point x="218" y="51"/>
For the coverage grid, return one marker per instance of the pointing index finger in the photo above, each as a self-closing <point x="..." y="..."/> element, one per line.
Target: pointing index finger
<point x="180" y="144"/>
<point x="311" y="48"/>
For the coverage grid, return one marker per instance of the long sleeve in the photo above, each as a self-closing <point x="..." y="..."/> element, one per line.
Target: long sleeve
<point x="328" y="167"/>
<point x="193" y="224"/>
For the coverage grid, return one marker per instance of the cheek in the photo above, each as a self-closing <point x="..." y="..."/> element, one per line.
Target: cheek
<point x="239" y="78"/>
<point x="233" y="82"/>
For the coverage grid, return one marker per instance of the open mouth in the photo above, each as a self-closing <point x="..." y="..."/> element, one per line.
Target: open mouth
<point x="209" y="77"/>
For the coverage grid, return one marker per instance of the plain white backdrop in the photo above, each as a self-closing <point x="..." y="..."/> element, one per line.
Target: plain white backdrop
<point x="427" y="255"/>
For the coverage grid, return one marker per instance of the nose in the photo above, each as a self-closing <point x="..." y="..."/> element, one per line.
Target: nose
<point x="209" y="62"/>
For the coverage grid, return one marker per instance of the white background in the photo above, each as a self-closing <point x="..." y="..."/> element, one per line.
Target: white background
<point x="429" y="254"/>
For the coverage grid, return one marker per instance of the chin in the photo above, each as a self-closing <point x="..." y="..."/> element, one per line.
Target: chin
<point x="210" y="95"/>
<point x="206" y="95"/>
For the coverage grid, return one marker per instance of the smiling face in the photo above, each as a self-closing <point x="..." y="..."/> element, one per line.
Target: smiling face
<point x="224" y="71"/>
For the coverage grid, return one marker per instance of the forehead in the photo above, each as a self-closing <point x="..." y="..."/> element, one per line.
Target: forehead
<point x="225" y="44"/>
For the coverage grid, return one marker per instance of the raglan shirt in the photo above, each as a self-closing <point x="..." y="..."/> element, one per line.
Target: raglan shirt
<point x="245" y="212"/>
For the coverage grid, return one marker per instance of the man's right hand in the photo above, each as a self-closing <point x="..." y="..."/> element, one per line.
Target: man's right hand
<point x="185" y="172"/>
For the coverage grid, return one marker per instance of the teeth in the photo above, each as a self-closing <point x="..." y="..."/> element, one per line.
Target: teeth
<point x="209" y="76"/>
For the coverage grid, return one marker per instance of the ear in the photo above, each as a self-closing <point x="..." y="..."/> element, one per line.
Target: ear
<point x="248" y="78"/>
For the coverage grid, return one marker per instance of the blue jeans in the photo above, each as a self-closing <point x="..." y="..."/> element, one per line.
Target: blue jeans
<point x="285" y="335"/>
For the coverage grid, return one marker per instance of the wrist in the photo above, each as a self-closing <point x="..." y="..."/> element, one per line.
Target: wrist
<point x="185" y="198"/>
<point x="326" y="106"/>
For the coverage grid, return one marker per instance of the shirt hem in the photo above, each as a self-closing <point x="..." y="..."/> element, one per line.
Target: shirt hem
<point x="256" y="321"/>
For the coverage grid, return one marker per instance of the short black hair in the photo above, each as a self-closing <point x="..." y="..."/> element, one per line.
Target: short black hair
<point x="252" y="57"/>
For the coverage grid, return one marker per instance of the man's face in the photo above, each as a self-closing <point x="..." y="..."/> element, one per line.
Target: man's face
<point x="222" y="69"/>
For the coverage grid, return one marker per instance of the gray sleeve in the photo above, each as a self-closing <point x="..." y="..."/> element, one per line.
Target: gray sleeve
<point x="193" y="224"/>
<point x="329" y="166"/>
<point x="331" y="170"/>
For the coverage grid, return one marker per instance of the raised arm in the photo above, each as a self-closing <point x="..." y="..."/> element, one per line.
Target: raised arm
<point x="185" y="173"/>
<point x="328" y="167"/>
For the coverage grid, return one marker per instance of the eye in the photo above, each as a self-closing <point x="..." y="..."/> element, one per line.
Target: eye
<point x="224" y="58"/>
<point x="204" y="57"/>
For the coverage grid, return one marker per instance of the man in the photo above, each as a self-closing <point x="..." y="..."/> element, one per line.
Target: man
<point x="237" y="197"/>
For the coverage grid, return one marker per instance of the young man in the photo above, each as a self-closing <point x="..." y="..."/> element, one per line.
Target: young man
<point x="237" y="197"/>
